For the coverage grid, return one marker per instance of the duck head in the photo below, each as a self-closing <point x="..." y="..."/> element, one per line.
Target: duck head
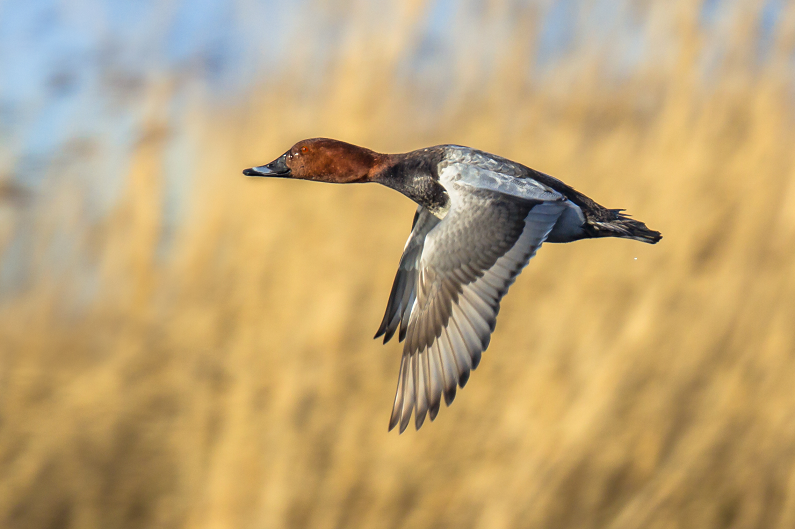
<point x="323" y="160"/>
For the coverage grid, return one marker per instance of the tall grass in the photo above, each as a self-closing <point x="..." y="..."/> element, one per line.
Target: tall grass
<point x="219" y="372"/>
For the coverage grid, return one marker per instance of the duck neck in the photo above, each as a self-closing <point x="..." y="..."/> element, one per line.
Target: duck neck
<point x="416" y="176"/>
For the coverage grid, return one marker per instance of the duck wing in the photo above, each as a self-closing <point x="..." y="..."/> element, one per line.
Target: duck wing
<point x="452" y="276"/>
<point x="401" y="299"/>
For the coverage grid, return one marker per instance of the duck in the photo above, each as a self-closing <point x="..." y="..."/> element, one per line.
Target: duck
<point x="480" y="218"/>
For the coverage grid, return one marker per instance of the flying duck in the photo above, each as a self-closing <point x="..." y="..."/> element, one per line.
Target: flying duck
<point x="480" y="219"/>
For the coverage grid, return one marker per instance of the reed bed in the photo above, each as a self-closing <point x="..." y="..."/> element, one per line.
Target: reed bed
<point x="218" y="371"/>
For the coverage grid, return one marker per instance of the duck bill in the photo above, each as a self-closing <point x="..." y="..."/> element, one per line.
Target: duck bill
<point x="277" y="168"/>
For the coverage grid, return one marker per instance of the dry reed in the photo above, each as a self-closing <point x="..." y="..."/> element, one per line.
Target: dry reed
<point x="230" y="379"/>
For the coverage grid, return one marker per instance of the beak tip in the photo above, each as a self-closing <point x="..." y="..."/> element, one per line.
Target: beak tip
<point x="277" y="168"/>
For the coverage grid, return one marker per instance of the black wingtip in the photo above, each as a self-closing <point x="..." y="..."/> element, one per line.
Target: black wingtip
<point x="393" y="422"/>
<point x="419" y="419"/>
<point x="433" y="410"/>
<point x="476" y="360"/>
<point x="403" y="425"/>
<point x="384" y="331"/>
<point x="387" y="329"/>
<point x="449" y="396"/>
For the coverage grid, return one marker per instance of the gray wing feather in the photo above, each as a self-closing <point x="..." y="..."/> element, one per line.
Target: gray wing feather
<point x="487" y="171"/>
<point x="465" y="265"/>
<point x="401" y="299"/>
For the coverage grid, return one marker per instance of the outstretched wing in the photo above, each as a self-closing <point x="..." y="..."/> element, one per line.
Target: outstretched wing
<point x="398" y="308"/>
<point x="447" y="293"/>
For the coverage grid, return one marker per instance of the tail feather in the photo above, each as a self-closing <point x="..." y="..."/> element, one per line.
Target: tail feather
<point x="621" y="225"/>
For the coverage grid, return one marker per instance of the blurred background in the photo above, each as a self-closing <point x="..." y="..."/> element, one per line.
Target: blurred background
<point x="181" y="346"/>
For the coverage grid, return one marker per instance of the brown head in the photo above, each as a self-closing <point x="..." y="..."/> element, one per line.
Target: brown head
<point x="323" y="160"/>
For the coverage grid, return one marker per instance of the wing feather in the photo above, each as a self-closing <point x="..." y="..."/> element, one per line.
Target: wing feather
<point x="401" y="298"/>
<point x="446" y="296"/>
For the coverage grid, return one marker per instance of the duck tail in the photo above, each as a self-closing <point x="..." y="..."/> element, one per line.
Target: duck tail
<point x="615" y="223"/>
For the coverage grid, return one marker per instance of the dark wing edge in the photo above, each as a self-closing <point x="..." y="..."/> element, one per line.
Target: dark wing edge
<point x="401" y="299"/>
<point x="457" y="304"/>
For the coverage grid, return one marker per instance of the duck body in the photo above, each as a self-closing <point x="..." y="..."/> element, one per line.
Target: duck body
<point x="480" y="219"/>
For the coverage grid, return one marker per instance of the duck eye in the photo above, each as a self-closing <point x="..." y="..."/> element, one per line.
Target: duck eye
<point x="304" y="149"/>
